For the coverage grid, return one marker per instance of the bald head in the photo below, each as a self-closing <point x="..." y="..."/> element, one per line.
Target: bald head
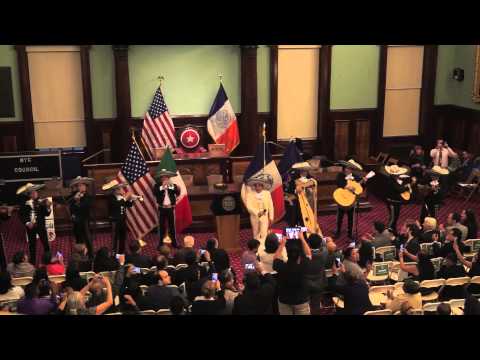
<point x="188" y="241"/>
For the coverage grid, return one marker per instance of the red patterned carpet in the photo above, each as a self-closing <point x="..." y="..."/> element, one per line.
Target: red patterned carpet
<point x="15" y="236"/>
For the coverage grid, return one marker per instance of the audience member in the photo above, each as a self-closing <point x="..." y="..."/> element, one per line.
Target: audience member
<point x="32" y="304"/>
<point x="267" y="253"/>
<point x="177" y="306"/>
<point x="257" y="296"/>
<point x="160" y="295"/>
<point x="411" y="247"/>
<point x="469" y="220"/>
<point x="230" y="292"/>
<point x="453" y="237"/>
<point x="365" y="253"/>
<point x="73" y="279"/>
<point x="188" y="243"/>
<point x="473" y="266"/>
<point x="411" y="295"/>
<point x="354" y="291"/>
<point x="54" y="265"/>
<point x="132" y="300"/>
<point x="104" y="262"/>
<point x="81" y="257"/>
<point x="428" y="230"/>
<point x="472" y="306"/>
<point x="450" y="269"/>
<point x="20" y="266"/>
<point x="423" y="268"/>
<point x="7" y="290"/>
<point x="250" y="255"/>
<point x="73" y="302"/>
<point x="167" y="252"/>
<point x="444" y="309"/>
<point x="293" y="291"/>
<point x="381" y="237"/>
<point x="136" y="258"/>
<point x="454" y="221"/>
<point x="350" y="262"/>
<point x="211" y="302"/>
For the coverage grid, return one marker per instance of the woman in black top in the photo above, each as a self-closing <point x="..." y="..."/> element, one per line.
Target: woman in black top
<point x="422" y="270"/>
<point x="73" y="279"/>
<point x="293" y="290"/>
<point x="469" y="220"/>
<point x="104" y="262"/>
<point x="473" y="266"/>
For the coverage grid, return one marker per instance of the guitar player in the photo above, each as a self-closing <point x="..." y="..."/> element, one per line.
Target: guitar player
<point x="342" y="181"/>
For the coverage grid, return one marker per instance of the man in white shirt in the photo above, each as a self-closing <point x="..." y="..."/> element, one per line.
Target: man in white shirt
<point x="259" y="204"/>
<point x="441" y="154"/>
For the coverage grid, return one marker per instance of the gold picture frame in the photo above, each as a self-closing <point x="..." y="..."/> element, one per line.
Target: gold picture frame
<point x="476" y="82"/>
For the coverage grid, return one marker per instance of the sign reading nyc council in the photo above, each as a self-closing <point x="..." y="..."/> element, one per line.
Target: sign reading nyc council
<point x="37" y="167"/>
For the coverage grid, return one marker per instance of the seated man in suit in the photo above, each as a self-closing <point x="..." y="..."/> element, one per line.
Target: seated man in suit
<point x="159" y="296"/>
<point x="136" y="258"/>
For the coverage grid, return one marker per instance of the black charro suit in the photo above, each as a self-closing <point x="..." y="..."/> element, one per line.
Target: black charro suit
<point x="118" y="216"/>
<point x="166" y="213"/>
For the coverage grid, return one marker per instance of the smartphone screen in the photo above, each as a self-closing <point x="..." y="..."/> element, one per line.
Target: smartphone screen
<point x="118" y="256"/>
<point x="202" y="252"/>
<point x="303" y="229"/>
<point x="337" y="262"/>
<point x="59" y="254"/>
<point x="136" y="270"/>
<point x="249" y="266"/>
<point x="279" y="236"/>
<point x="214" y="277"/>
<point x="402" y="247"/>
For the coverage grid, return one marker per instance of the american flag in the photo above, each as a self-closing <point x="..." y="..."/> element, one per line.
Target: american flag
<point x="158" y="130"/>
<point x="142" y="217"/>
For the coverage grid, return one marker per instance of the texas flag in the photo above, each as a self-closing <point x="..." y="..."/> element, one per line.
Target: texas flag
<point x="257" y="167"/>
<point x="222" y="123"/>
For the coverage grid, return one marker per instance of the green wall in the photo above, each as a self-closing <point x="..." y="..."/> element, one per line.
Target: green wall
<point x="263" y="78"/>
<point x="8" y="57"/>
<point x="354" y="79"/>
<point x="448" y="90"/>
<point x="191" y="76"/>
<point x="103" y="81"/>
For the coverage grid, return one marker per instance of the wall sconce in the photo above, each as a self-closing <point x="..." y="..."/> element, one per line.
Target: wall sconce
<point x="458" y="74"/>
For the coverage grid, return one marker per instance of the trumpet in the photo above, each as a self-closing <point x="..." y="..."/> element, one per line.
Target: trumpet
<point x="136" y="197"/>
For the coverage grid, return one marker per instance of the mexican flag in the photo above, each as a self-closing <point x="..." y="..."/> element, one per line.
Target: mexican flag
<point x="183" y="212"/>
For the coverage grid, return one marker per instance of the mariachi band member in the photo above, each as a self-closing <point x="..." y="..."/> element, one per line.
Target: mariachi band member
<point x="396" y="186"/>
<point x="118" y="203"/>
<point x="33" y="212"/>
<point x="432" y="198"/>
<point x="166" y="193"/>
<point x="80" y="203"/>
<point x="258" y="202"/>
<point x="342" y="182"/>
<point x="299" y="173"/>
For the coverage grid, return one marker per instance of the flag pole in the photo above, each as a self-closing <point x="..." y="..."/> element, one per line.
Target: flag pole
<point x="161" y="79"/>
<point x="264" y="146"/>
<point x="220" y="77"/>
<point x="135" y="142"/>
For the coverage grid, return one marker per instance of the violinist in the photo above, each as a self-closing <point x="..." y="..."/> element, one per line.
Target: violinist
<point x="33" y="212"/>
<point x="80" y="203"/>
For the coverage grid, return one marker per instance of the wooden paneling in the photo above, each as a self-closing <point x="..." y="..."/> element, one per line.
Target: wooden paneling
<point x="11" y="136"/>
<point x="342" y="140"/>
<point x="26" y="96"/>
<point x="362" y="140"/>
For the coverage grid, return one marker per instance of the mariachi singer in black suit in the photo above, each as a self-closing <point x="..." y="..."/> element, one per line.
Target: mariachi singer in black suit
<point x="118" y="202"/>
<point x="166" y="193"/>
<point x="33" y="213"/>
<point x="80" y="203"/>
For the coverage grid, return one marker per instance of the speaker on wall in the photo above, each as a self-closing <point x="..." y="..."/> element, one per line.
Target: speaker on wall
<point x="458" y="74"/>
<point x="7" y="109"/>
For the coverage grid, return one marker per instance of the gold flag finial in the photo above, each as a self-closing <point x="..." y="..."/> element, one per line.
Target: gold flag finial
<point x="161" y="79"/>
<point x="220" y="77"/>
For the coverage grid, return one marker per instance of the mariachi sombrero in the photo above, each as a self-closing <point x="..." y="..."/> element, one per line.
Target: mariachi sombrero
<point x="440" y="170"/>
<point x="264" y="179"/>
<point x="81" y="180"/>
<point x="27" y="188"/>
<point x="164" y="172"/>
<point x="112" y="185"/>
<point x="302" y="166"/>
<point x="351" y="164"/>
<point x="395" y="170"/>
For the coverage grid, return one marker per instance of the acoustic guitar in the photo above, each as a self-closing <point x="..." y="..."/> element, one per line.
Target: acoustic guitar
<point x="346" y="197"/>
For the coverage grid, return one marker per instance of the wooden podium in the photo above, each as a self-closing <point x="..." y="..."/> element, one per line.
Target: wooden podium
<point x="228" y="231"/>
<point x="226" y="207"/>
